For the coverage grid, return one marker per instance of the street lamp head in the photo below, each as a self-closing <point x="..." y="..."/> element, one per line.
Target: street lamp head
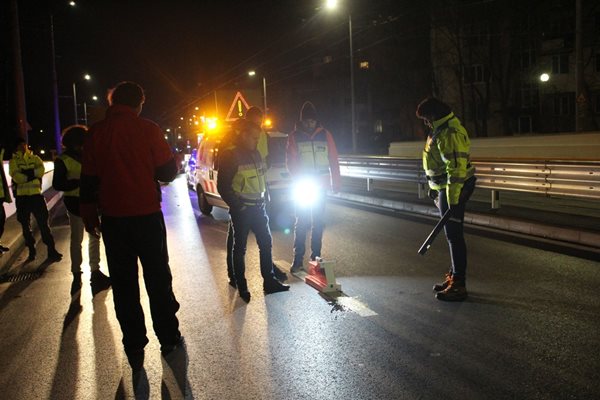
<point x="72" y="3"/>
<point x="331" y="4"/>
<point x="251" y="73"/>
<point x="544" y="77"/>
<point x="95" y="98"/>
<point x="87" y="77"/>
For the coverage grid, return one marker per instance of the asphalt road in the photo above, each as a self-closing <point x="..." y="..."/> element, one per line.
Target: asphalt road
<point x="530" y="329"/>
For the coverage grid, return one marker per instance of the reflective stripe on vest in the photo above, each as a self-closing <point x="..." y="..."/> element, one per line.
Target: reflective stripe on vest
<point x="73" y="172"/>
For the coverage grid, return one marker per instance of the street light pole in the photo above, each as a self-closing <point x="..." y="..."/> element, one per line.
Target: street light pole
<point x="352" y="109"/>
<point x="265" y="95"/>
<point x="75" y="102"/>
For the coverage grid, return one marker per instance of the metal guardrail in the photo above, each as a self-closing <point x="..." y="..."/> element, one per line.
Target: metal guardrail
<point x="550" y="178"/>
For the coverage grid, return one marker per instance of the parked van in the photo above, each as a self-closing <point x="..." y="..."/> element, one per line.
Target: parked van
<point x="202" y="174"/>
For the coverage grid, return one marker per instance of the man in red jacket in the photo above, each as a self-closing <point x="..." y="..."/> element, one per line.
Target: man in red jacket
<point x="312" y="160"/>
<point x="124" y="157"/>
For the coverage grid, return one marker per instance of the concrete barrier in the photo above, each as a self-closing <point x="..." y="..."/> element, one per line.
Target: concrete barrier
<point x="566" y="146"/>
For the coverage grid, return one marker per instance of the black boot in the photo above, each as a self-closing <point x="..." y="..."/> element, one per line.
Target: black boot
<point x="274" y="286"/>
<point x="76" y="284"/>
<point x="32" y="253"/>
<point x="99" y="282"/>
<point x="54" y="255"/>
<point x="438" y="287"/>
<point x="242" y="287"/>
<point x="279" y="274"/>
<point x="456" y="291"/>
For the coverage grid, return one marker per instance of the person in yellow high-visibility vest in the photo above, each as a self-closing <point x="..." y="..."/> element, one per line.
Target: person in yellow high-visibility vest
<point x="451" y="178"/>
<point x="26" y="170"/>
<point x="254" y="115"/>
<point x="4" y="198"/>
<point x="243" y="187"/>
<point x="67" y="174"/>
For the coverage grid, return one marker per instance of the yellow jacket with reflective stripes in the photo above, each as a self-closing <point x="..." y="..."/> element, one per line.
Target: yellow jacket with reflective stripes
<point x="23" y="161"/>
<point x="446" y="158"/>
<point x="73" y="172"/>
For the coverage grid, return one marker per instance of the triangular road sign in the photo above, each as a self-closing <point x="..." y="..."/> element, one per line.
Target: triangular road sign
<point x="238" y="108"/>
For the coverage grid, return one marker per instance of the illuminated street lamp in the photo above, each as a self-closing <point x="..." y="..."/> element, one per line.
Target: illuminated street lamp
<point x="544" y="77"/>
<point x="332" y="5"/>
<point x="264" y="81"/>
<point x="87" y="78"/>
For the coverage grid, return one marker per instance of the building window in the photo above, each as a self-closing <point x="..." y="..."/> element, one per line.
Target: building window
<point x="560" y="64"/>
<point x="525" y="124"/>
<point x="475" y="74"/>
<point x="561" y="105"/>
<point x="364" y="65"/>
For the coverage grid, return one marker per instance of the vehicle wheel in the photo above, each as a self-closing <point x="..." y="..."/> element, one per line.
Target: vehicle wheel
<point x="205" y="207"/>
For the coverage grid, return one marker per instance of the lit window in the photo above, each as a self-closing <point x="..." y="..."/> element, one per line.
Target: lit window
<point x="364" y="65"/>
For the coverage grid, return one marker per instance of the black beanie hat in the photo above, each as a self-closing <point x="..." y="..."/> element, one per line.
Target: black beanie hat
<point x="308" y="111"/>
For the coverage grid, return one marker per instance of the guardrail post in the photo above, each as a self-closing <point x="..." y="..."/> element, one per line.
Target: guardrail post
<point x="495" y="199"/>
<point x="369" y="184"/>
<point x="421" y="190"/>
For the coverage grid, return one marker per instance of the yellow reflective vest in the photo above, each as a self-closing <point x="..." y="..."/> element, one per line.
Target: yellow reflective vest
<point x="249" y="181"/>
<point x="23" y="161"/>
<point x="73" y="172"/>
<point x="446" y="158"/>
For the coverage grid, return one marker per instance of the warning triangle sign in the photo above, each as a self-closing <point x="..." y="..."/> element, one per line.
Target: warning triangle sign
<point x="238" y="108"/>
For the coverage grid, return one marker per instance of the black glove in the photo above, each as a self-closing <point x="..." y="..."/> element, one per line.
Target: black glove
<point x="29" y="173"/>
<point x="433" y="194"/>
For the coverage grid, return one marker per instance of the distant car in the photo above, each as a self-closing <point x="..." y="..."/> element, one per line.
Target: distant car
<point x="202" y="174"/>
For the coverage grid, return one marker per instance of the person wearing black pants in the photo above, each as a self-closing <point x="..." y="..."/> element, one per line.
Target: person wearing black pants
<point x="121" y="181"/>
<point x="125" y="240"/>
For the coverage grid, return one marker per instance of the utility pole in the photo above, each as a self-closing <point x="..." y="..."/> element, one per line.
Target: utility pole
<point x="580" y="97"/>
<point x="55" y="111"/>
<point x="17" y="67"/>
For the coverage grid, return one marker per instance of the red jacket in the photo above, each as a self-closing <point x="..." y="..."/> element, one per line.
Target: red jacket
<point x="121" y="157"/>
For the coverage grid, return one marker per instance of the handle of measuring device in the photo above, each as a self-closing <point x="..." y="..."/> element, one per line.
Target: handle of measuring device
<point x="436" y="230"/>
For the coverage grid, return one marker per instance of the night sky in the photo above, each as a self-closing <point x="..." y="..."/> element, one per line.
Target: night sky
<point x="177" y="50"/>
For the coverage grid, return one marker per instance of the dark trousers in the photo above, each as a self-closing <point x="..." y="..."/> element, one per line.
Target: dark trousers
<point x="253" y="218"/>
<point x="2" y="218"/>
<point x="36" y="205"/>
<point x="145" y="237"/>
<point x="230" y="273"/>
<point x="307" y="217"/>
<point x="454" y="229"/>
